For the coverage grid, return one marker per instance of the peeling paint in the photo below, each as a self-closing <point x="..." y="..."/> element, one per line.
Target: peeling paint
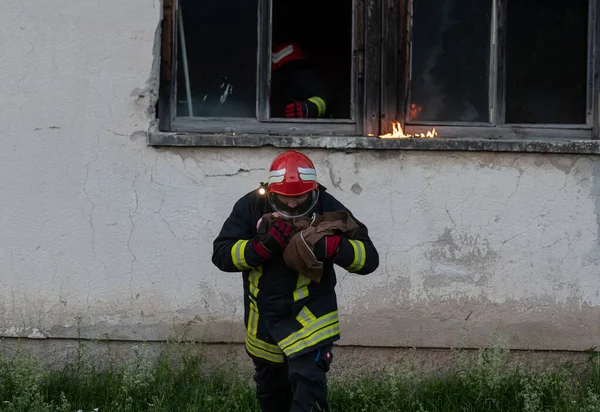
<point x="136" y="135"/>
<point x="336" y="181"/>
<point x="16" y="332"/>
<point x="465" y="249"/>
<point x="563" y="163"/>
<point x="356" y="189"/>
<point x="152" y="84"/>
<point x="37" y="334"/>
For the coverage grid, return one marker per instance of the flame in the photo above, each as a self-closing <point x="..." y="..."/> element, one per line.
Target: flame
<point x="398" y="133"/>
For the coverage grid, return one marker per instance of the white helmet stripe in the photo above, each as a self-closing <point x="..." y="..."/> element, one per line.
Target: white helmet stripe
<point x="305" y="171"/>
<point x="279" y="172"/>
<point x="308" y="177"/>
<point x="283" y="53"/>
<point x="275" y="179"/>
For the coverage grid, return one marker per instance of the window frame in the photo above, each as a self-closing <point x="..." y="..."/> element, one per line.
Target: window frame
<point x="261" y="123"/>
<point x="381" y="58"/>
<point x="497" y="128"/>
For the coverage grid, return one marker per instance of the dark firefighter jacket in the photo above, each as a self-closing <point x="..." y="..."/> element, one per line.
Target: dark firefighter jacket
<point x="284" y="312"/>
<point x="298" y="81"/>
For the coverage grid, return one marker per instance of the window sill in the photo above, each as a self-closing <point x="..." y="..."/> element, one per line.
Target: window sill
<point x="530" y="145"/>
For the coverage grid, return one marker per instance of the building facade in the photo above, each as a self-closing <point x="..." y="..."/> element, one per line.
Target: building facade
<point x="111" y="200"/>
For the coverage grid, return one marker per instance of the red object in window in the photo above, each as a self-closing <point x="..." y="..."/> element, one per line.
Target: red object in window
<point x="285" y="53"/>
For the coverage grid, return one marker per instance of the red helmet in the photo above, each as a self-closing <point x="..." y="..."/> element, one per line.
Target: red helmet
<point x="293" y="174"/>
<point x="285" y="53"/>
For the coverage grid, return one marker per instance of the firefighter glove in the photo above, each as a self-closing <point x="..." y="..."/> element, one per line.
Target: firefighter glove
<point x="301" y="110"/>
<point x="272" y="241"/>
<point x="327" y="247"/>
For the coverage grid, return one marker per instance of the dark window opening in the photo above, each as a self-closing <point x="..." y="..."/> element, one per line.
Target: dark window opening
<point x="529" y="68"/>
<point x="450" y="61"/>
<point x="322" y="31"/>
<point x="221" y="50"/>
<point x="546" y="61"/>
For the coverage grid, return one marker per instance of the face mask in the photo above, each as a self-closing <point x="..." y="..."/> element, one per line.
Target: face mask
<point x="299" y="210"/>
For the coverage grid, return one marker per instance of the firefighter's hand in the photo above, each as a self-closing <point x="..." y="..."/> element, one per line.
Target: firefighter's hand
<point x="272" y="241"/>
<point x="327" y="248"/>
<point x="301" y="110"/>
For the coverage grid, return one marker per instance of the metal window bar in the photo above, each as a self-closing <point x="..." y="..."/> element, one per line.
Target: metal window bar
<point x="409" y="62"/>
<point x="594" y="33"/>
<point x="188" y="88"/>
<point x="263" y="63"/>
<point x="592" y="39"/>
<point x="493" y="66"/>
<point x="499" y="67"/>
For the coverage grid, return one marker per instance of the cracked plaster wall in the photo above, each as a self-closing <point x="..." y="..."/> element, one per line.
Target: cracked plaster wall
<point x="104" y="237"/>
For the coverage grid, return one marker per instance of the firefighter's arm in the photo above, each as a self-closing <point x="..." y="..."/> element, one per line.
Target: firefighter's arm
<point x="318" y="90"/>
<point x="358" y="255"/>
<point x="321" y="95"/>
<point x="234" y="249"/>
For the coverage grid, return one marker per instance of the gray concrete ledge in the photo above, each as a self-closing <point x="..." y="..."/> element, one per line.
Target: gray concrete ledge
<point x="538" y="145"/>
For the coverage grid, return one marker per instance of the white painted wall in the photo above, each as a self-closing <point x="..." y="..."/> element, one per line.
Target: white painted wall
<point x="104" y="237"/>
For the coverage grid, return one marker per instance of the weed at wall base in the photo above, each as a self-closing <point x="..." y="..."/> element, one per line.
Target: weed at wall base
<point x="179" y="380"/>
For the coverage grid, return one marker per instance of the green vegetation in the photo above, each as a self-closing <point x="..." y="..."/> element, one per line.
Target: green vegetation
<point x="179" y="380"/>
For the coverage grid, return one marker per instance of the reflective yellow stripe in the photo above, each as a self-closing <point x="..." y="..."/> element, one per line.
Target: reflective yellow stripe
<point x="323" y="334"/>
<point x="254" y="345"/>
<point x="263" y="354"/>
<point x="261" y="344"/>
<point x="253" y="279"/>
<point x="252" y="319"/>
<point x="301" y="287"/>
<point x="307" y="331"/>
<point x="300" y="294"/>
<point x="305" y="317"/>
<point x="320" y="103"/>
<point x="237" y="255"/>
<point x="360" y="256"/>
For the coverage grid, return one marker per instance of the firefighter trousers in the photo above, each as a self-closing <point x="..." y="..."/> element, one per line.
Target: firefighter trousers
<point x="297" y="385"/>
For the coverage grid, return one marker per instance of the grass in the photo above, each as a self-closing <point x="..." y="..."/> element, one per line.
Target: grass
<point x="179" y="380"/>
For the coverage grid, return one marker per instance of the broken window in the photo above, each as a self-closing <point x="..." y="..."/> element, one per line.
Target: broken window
<point x="389" y="68"/>
<point x="546" y="61"/>
<point x="317" y="35"/>
<point x="264" y="66"/>
<point x="216" y="74"/>
<point x="512" y="68"/>
<point x="450" y="61"/>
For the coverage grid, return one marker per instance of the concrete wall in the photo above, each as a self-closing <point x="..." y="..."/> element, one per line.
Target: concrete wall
<point x="104" y="237"/>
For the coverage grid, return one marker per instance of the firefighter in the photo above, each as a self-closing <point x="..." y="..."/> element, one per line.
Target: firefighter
<point x="298" y="91"/>
<point x="291" y="322"/>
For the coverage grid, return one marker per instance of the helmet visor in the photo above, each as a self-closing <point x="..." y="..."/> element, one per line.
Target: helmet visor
<point x="289" y="208"/>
